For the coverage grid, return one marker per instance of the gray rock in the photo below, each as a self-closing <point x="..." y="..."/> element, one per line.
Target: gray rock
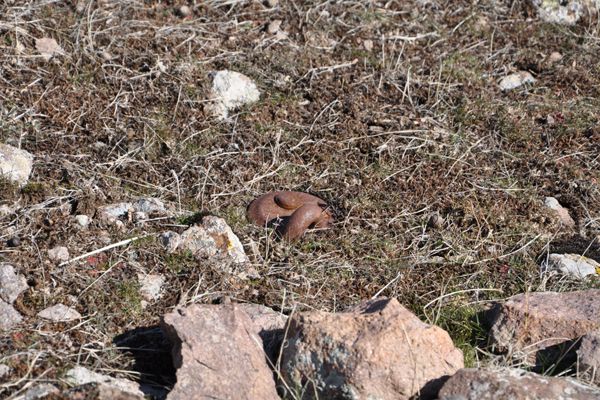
<point x="149" y="205"/>
<point x="15" y="164"/>
<point x="539" y="328"/>
<point x="573" y="265"/>
<point x="513" y="384"/>
<point x="38" y="392"/>
<point x="218" y="354"/>
<point x="377" y="350"/>
<point x="11" y="284"/>
<point x="99" y="391"/>
<point x="231" y="90"/>
<point x="588" y="358"/>
<point x="112" y="212"/>
<point x="560" y="211"/>
<point x="516" y="80"/>
<point x="170" y="240"/>
<point x="59" y="254"/>
<point x="59" y="313"/>
<point x="565" y="12"/>
<point x="9" y="317"/>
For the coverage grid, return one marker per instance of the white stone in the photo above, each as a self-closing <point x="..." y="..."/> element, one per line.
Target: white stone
<point x="15" y="164"/>
<point x="213" y="238"/>
<point x="82" y="220"/>
<point x="516" y="80"/>
<point x="81" y="375"/>
<point x="571" y="264"/>
<point x="11" y="284"/>
<point x="9" y="317"/>
<point x="231" y="90"/>
<point x="41" y="391"/>
<point x="59" y="254"/>
<point x="48" y="48"/>
<point x="151" y="286"/>
<point x="565" y="12"/>
<point x="4" y="370"/>
<point x="274" y="26"/>
<point x="59" y="313"/>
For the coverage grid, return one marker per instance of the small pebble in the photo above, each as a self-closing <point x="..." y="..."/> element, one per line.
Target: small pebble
<point x="184" y="11"/>
<point x="59" y="254"/>
<point x="555" y="56"/>
<point x="82" y="220"/>
<point x="272" y="3"/>
<point x="368" y="45"/>
<point x="274" y="26"/>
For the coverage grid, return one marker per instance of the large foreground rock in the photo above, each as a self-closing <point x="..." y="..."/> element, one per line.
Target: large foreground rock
<point x="218" y="354"/>
<point x="513" y="384"/>
<point x="534" y="326"/>
<point x="270" y="325"/>
<point x="15" y="164"/>
<point x="378" y="350"/>
<point x="588" y="358"/>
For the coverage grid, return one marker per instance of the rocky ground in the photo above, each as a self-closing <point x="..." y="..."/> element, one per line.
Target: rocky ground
<point x="455" y="143"/>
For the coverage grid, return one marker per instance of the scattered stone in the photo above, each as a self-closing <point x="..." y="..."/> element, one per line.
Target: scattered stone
<point x="48" y="48"/>
<point x="151" y="286"/>
<point x="560" y="211"/>
<point x="555" y="57"/>
<point x="9" y="317"/>
<point x="112" y="212"/>
<point x="11" y="284"/>
<point x="231" y="90"/>
<point x="218" y="354"/>
<point x="540" y="327"/>
<point x="213" y="238"/>
<point x="170" y="240"/>
<point x="4" y="370"/>
<point x="15" y="164"/>
<point x="150" y="205"/>
<point x="40" y="391"/>
<point x="571" y="264"/>
<point x="59" y="254"/>
<point x="512" y="383"/>
<point x="565" y="12"/>
<point x="82" y="376"/>
<point x="59" y="313"/>
<point x="588" y="358"/>
<point x="270" y="325"/>
<point x="98" y="391"/>
<point x="516" y="80"/>
<point x="274" y="26"/>
<point x="184" y="11"/>
<point x="376" y="350"/>
<point x="368" y="45"/>
<point x="272" y="3"/>
<point x="138" y="210"/>
<point x="82" y="220"/>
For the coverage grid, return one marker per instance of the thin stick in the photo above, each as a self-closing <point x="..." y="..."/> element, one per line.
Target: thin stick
<point x="110" y="246"/>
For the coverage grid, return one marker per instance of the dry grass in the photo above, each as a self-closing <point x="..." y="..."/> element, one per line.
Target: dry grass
<point x="391" y="136"/>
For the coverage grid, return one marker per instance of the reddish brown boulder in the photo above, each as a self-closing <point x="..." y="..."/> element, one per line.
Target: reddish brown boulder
<point x="514" y="384"/>
<point x="270" y="325"/>
<point x="218" y="354"/>
<point x="588" y="358"/>
<point x="542" y="327"/>
<point x="378" y="350"/>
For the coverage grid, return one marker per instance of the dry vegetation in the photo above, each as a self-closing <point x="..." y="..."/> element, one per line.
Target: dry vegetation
<point x="392" y="136"/>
